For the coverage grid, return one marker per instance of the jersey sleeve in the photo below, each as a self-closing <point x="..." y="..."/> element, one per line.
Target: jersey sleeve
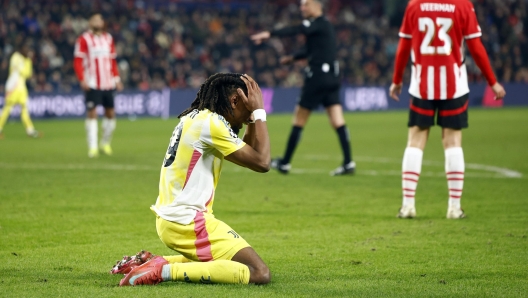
<point x="221" y="136"/>
<point x="406" y="27"/>
<point x="307" y="27"/>
<point x="472" y="28"/>
<point x="113" y="55"/>
<point x="81" y="48"/>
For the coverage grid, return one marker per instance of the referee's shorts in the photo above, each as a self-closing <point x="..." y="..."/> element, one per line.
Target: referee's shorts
<point x="320" y="88"/>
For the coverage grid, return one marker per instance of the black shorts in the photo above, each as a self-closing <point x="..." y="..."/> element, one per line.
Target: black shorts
<point x="93" y="98"/>
<point x="450" y="113"/>
<point x="319" y="90"/>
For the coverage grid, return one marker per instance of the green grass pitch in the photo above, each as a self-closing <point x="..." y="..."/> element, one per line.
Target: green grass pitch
<point x="65" y="219"/>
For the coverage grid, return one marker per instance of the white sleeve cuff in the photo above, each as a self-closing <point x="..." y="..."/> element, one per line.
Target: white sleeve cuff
<point x="474" y="35"/>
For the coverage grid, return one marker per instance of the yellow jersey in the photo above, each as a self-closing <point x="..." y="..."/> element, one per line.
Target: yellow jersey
<point x="192" y="165"/>
<point x="20" y="69"/>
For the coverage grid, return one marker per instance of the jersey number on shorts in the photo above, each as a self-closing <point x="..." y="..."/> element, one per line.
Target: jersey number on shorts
<point x="173" y="145"/>
<point x="428" y="26"/>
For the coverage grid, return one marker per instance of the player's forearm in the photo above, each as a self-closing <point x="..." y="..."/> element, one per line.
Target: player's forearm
<point x="249" y="135"/>
<point x="478" y="52"/>
<point x="115" y="69"/>
<point x="402" y="57"/>
<point x="261" y="144"/>
<point x="78" y="67"/>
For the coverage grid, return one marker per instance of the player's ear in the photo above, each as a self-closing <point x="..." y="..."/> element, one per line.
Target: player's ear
<point x="234" y="100"/>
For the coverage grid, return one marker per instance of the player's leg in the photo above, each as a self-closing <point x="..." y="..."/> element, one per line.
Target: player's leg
<point x="337" y="120"/>
<point x="421" y="118"/>
<point x="92" y="99"/>
<point x="108" y="123"/>
<point x="25" y="118"/>
<point x="300" y="118"/>
<point x="453" y="118"/>
<point x="259" y="271"/>
<point x="8" y="106"/>
<point x="220" y="255"/>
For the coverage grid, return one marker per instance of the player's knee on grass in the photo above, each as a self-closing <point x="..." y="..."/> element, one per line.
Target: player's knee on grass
<point x="259" y="271"/>
<point x="260" y="275"/>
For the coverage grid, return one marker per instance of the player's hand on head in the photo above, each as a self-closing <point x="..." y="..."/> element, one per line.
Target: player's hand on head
<point x="253" y="100"/>
<point x="395" y="91"/>
<point x="259" y="37"/>
<point x="499" y="91"/>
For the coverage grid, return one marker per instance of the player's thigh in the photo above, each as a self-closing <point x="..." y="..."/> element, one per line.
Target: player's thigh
<point x="453" y="113"/>
<point x="205" y="239"/>
<point x="417" y="136"/>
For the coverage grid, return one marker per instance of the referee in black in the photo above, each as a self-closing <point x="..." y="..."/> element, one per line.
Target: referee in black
<point x="321" y="83"/>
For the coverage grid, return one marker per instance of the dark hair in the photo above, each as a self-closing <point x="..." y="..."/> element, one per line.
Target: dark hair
<point x="214" y="94"/>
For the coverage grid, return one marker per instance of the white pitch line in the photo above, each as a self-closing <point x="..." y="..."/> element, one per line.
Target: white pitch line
<point x="494" y="172"/>
<point x="72" y="166"/>
<point x="509" y="173"/>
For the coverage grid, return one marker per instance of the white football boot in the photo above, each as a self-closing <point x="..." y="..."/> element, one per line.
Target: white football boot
<point x="455" y="213"/>
<point x="407" y="212"/>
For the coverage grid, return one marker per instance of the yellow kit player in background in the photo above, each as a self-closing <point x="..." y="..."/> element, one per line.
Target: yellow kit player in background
<point x="211" y="251"/>
<point x="20" y="69"/>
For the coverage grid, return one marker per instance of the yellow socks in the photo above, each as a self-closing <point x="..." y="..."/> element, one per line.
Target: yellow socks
<point x="227" y="272"/>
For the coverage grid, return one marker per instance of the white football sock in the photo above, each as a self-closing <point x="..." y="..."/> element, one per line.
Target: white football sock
<point x="91" y="133"/>
<point x="108" y="125"/>
<point x="454" y="167"/>
<point x="411" y="169"/>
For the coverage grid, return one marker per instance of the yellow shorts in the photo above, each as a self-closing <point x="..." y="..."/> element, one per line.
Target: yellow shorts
<point x="18" y="96"/>
<point x="204" y="239"/>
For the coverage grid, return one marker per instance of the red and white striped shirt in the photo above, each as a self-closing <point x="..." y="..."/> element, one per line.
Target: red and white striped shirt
<point x="95" y="61"/>
<point x="438" y="29"/>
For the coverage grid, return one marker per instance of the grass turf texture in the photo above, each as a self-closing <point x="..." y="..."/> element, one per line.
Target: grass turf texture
<point x="65" y="219"/>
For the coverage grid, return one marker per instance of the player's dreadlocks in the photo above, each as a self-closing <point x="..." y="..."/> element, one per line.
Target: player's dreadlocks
<point x="214" y="94"/>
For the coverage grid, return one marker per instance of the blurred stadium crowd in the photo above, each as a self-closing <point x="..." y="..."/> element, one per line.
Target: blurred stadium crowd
<point x="178" y="44"/>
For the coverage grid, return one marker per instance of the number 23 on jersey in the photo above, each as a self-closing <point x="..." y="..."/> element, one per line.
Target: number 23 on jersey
<point x="438" y="28"/>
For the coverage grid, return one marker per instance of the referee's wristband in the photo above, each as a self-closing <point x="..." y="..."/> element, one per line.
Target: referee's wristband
<point x="259" y="114"/>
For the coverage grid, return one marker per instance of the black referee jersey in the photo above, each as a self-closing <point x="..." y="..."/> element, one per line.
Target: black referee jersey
<point x="321" y="45"/>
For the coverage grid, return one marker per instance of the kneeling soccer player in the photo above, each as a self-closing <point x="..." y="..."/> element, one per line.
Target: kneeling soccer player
<point x="211" y="252"/>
